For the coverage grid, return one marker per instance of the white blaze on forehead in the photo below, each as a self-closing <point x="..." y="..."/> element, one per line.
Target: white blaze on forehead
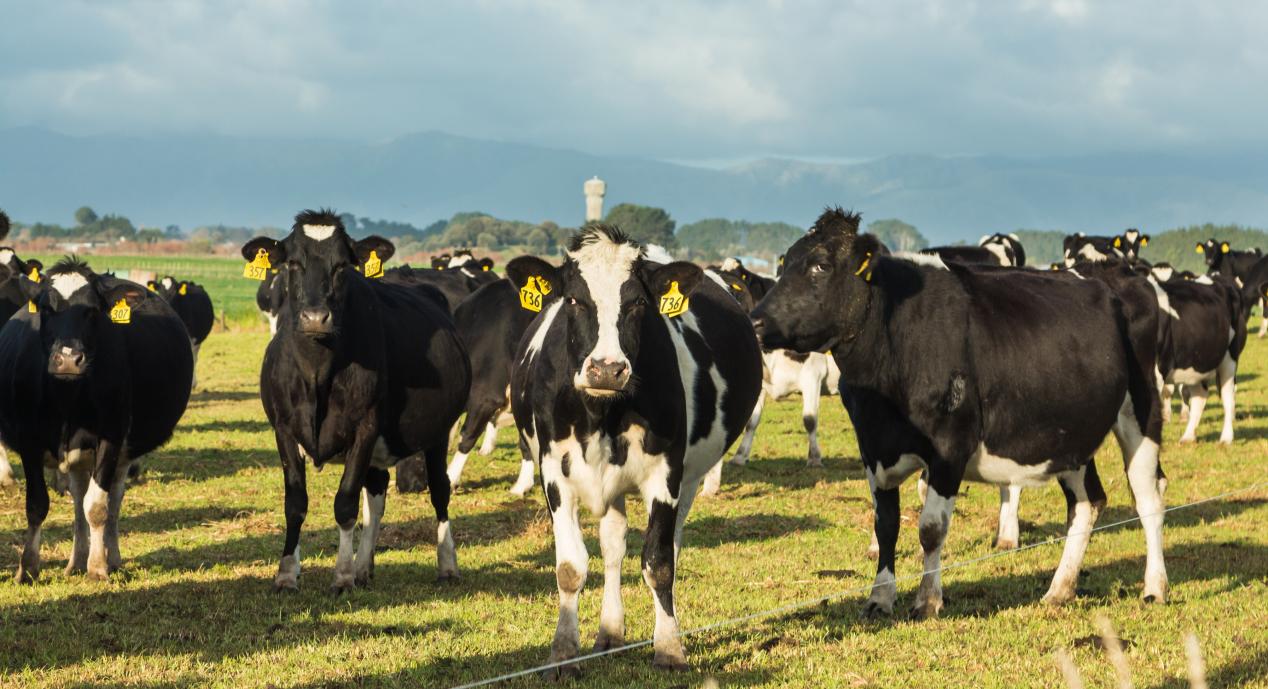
<point x="730" y="264"/>
<point x="168" y="282"/>
<point x="67" y="284"/>
<point x="459" y="260"/>
<point x="605" y="266"/>
<point x="319" y="232"/>
<point x="1000" y="252"/>
<point x="6" y="255"/>
<point x="931" y="260"/>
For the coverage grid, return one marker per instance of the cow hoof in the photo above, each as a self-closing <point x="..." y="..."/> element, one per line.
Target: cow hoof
<point x="343" y="585"/>
<point x="97" y="575"/>
<point x="447" y="577"/>
<point x="1058" y="598"/>
<point x="606" y="641"/>
<point x="1226" y="441"/>
<point x="27" y="575"/>
<point x="673" y="662"/>
<point x="1006" y="544"/>
<point x="364" y="578"/>
<point x="72" y="568"/>
<point x="284" y="587"/>
<point x="873" y="610"/>
<point x="562" y="673"/>
<point x="737" y="461"/>
<point x="926" y="610"/>
<point x="873" y="553"/>
<point x="1187" y="440"/>
<point x="814" y="462"/>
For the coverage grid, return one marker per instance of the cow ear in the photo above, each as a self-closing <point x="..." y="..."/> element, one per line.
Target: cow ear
<point x="1224" y="248"/>
<point x="380" y="246"/>
<point x="132" y="294"/>
<point x="660" y="280"/>
<point x="30" y="289"/>
<point x="151" y="285"/>
<point x="31" y="265"/>
<point x="276" y="252"/>
<point x="1200" y="249"/>
<point x="1144" y="240"/>
<point x="520" y="269"/>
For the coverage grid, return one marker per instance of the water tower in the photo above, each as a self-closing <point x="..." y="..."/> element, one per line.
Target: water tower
<point x="595" y="189"/>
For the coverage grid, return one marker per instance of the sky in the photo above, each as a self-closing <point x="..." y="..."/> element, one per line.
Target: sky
<point x="678" y="80"/>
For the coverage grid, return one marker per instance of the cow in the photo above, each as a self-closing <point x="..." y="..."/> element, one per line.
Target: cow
<point x="268" y="298"/>
<point x="1080" y="247"/>
<point x="193" y="305"/>
<point x="455" y="284"/>
<point x="96" y="377"/>
<point x="635" y="377"/>
<point x="1222" y="259"/>
<point x="491" y="322"/>
<point x="361" y="372"/>
<point x="930" y="382"/>
<point x="992" y="249"/>
<point x="12" y="299"/>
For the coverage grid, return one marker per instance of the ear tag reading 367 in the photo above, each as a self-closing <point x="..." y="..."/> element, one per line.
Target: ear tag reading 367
<point x="373" y="266"/>
<point x="121" y="313"/>
<point x="672" y="302"/>
<point x="531" y="294"/>
<point x="259" y="268"/>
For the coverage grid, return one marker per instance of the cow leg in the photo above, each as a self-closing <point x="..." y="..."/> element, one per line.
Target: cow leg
<point x="922" y="486"/>
<point x="6" y="470"/>
<point x="295" y="475"/>
<point x="1183" y="392"/>
<point x="347" y="499"/>
<point x="1165" y="393"/>
<point x="1084" y="499"/>
<point x="97" y="506"/>
<point x="1227" y="378"/>
<point x="1197" y="402"/>
<point x="479" y="418"/>
<point x="713" y="480"/>
<point x="439" y="490"/>
<point x="571" y="562"/>
<point x="78" y="478"/>
<point x="1263" y="316"/>
<point x="742" y="453"/>
<point x="659" y="563"/>
<point x="113" y="559"/>
<point x="525" y="480"/>
<point x="36" y="511"/>
<point x="811" y="383"/>
<point x="885" y="533"/>
<point x="1144" y="474"/>
<point x="935" y="521"/>
<point x="1009" y="533"/>
<point x="490" y="439"/>
<point x="194" y="346"/>
<point x="612" y="529"/>
<point x="373" y="501"/>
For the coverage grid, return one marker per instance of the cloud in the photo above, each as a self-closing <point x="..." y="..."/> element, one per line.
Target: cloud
<point x="685" y="79"/>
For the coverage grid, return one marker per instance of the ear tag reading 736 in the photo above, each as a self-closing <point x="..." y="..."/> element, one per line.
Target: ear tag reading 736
<point x="532" y="292"/>
<point x="373" y="266"/>
<point x="259" y="268"/>
<point x="121" y="313"/>
<point x="672" y="302"/>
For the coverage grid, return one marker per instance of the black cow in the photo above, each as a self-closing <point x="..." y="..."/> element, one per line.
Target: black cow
<point x="95" y="379"/>
<point x="455" y="284"/>
<point x="491" y="323"/>
<point x="993" y="249"/>
<point x="12" y="298"/>
<point x="268" y="298"/>
<point x="193" y="305"/>
<point x="361" y="372"/>
<point x="1222" y="259"/>
<point x="930" y="382"/>
<point x="635" y="377"/>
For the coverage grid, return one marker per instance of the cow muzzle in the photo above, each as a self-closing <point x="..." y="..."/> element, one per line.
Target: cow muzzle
<point x="67" y="362"/>
<point x="606" y="376"/>
<point x="316" y="322"/>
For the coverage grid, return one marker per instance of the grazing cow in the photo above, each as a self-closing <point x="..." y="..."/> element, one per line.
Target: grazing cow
<point x="635" y="377"/>
<point x="193" y="305"/>
<point x="929" y="382"/>
<point x="1222" y="259"/>
<point x="992" y="249"/>
<point x="491" y="322"/>
<point x="95" y="378"/>
<point x="361" y="372"/>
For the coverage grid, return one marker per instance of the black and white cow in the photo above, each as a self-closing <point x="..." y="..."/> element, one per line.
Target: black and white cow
<point x="930" y="383"/>
<point x="635" y="378"/>
<point x="455" y="284"/>
<point x="12" y="299"/>
<point x="1222" y="259"/>
<point x="95" y="378"/>
<point x="268" y="298"/>
<point x="491" y="323"/>
<point x="992" y="249"/>
<point x="361" y="372"/>
<point x="193" y="305"/>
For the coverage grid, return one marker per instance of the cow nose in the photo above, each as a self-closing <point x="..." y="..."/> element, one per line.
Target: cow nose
<point x="609" y="374"/>
<point x="67" y="362"/>
<point x="315" y="321"/>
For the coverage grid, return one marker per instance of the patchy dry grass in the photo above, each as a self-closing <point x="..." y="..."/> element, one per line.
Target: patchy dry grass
<point x="202" y="532"/>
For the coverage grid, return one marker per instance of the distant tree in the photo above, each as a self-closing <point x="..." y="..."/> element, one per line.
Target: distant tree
<point x="349" y="223"/>
<point x="172" y="232"/>
<point x="646" y="224"/>
<point x="487" y="240"/>
<point x="85" y="216"/>
<point x="898" y="235"/>
<point x="540" y="241"/>
<point x="150" y="235"/>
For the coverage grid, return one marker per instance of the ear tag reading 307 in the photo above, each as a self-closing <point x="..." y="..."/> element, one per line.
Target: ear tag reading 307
<point x="672" y="302"/>
<point x="532" y="292"/>
<point x="373" y="266"/>
<point x="121" y="313"/>
<point x="259" y="268"/>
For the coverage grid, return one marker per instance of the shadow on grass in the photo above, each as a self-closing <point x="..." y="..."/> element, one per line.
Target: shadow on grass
<point x="792" y="472"/>
<point x="203" y="398"/>
<point x="167" y="464"/>
<point x="1237" y="674"/>
<point x="239" y="426"/>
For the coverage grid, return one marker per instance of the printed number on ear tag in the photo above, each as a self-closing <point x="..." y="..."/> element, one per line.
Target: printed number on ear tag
<point x="532" y="293"/>
<point x="373" y="266"/>
<point x="121" y="313"/>
<point x="259" y="268"/>
<point x="672" y="302"/>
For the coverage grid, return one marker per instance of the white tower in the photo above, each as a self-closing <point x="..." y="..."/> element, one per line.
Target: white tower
<point x="595" y="189"/>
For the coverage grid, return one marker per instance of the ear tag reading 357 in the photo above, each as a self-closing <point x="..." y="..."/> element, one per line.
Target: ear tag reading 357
<point x="259" y="268"/>
<point x="531" y="293"/>
<point x="121" y="313"/>
<point x="373" y="266"/>
<point x="672" y="302"/>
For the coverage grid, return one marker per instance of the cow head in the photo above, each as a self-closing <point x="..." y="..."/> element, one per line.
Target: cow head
<point x="316" y="263"/>
<point x="821" y="298"/>
<point x="1213" y="252"/>
<point x="1006" y="246"/>
<point x="75" y="307"/>
<point x="12" y="267"/>
<point x="1079" y="246"/>
<point x="603" y="294"/>
<point x="1132" y="241"/>
<point x="440" y="262"/>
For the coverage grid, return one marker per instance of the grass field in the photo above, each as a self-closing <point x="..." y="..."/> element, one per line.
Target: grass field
<point x="201" y="535"/>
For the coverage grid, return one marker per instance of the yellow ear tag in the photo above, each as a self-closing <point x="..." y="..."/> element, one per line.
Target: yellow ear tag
<point x="672" y="302"/>
<point x="543" y="285"/>
<point x="1224" y="248"/>
<point x="736" y="287"/>
<point x="531" y="295"/>
<point x="31" y="308"/>
<point x="373" y="266"/>
<point x="1117" y="242"/>
<point x="1199" y="249"/>
<point x="151" y="286"/>
<point x="259" y="268"/>
<point x="121" y="313"/>
<point x="34" y="275"/>
<point x="867" y="260"/>
<point x="485" y="268"/>
<point x="1144" y="242"/>
<point x="183" y="290"/>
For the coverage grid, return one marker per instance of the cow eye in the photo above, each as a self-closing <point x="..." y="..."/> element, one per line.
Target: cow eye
<point x="640" y="302"/>
<point x="572" y="301"/>
<point x="818" y="268"/>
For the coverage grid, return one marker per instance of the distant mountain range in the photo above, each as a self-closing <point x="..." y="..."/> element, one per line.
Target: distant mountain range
<point x="194" y="180"/>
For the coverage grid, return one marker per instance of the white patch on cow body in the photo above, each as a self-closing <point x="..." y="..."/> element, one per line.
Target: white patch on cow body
<point x="1164" y="301"/>
<point x="1189" y="376"/>
<point x="96" y="509"/>
<point x="657" y="254"/>
<point x="931" y="260"/>
<point x="717" y="279"/>
<point x="543" y="329"/>
<point x="459" y="260"/>
<point x="1163" y="273"/>
<point x="605" y="266"/>
<point x="1000" y="252"/>
<point x="67" y="284"/>
<point x="1204" y="280"/>
<point x="1001" y="471"/>
<point x="892" y="477"/>
<point x="319" y="232"/>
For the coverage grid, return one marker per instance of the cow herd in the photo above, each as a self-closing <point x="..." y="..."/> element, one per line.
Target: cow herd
<point x="626" y="372"/>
